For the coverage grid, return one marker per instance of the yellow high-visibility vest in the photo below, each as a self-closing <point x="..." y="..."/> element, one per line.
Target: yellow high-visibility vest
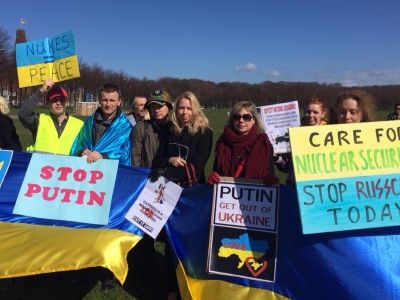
<point x="47" y="139"/>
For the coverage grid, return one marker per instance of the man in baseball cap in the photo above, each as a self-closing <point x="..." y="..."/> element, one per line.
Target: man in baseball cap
<point x="52" y="132"/>
<point x="56" y="91"/>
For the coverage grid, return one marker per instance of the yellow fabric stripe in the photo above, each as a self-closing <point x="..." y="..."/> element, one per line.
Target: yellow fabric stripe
<point x="60" y="70"/>
<point x="200" y="289"/>
<point x="34" y="249"/>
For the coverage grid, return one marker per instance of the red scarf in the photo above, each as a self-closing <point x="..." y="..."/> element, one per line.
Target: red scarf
<point x="254" y="149"/>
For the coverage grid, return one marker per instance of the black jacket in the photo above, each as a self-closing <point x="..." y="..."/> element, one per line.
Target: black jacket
<point x="9" y="139"/>
<point x="195" y="149"/>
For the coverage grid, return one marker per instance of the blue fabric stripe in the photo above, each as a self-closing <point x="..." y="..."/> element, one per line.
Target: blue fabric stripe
<point x="46" y="50"/>
<point x="128" y="185"/>
<point x="362" y="264"/>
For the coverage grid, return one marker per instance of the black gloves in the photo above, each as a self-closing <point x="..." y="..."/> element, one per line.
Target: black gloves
<point x="156" y="173"/>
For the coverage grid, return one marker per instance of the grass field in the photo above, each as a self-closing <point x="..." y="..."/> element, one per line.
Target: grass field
<point x="84" y="284"/>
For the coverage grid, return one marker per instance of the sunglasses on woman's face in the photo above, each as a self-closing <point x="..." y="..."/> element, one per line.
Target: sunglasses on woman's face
<point x="245" y="117"/>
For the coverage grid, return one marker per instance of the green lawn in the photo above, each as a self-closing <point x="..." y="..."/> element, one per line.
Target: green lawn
<point x="85" y="284"/>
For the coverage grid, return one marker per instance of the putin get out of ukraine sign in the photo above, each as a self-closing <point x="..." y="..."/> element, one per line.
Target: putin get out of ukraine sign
<point x="54" y="57"/>
<point x="347" y="175"/>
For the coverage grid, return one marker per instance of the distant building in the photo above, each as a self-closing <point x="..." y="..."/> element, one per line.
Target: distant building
<point x="20" y="36"/>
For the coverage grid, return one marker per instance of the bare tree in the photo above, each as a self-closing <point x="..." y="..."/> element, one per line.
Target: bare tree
<point x="6" y="61"/>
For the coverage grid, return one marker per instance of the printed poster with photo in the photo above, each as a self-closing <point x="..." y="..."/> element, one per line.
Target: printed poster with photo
<point x="277" y="119"/>
<point x="154" y="205"/>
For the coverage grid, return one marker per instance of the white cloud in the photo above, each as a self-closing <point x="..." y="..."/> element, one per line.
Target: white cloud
<point x="360" y="77"/>
<point x="372" y="77"/>
<point x="248" y="67"/>
<point x="274" y="73"/>
<point x="348" y="83"/>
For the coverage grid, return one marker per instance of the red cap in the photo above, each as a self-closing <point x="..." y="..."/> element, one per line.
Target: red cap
<point x="56" y="92"/>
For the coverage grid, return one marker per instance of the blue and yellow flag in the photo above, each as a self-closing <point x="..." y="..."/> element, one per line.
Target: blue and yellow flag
<point x="342" y="265"/>
<point x="30" y="245"/>
<point x="359" y="264"/>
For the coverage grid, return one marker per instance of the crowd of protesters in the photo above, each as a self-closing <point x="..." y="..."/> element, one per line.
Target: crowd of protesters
<point x="173" y="139"/>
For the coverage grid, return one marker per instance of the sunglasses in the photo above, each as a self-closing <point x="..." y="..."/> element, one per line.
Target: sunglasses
<point x="57" y="99"/>
<point x="245" y="117"/>
<point x="155" y="105"/>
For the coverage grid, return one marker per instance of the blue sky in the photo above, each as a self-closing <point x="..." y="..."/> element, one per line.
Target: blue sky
<point x="348" y="42"/>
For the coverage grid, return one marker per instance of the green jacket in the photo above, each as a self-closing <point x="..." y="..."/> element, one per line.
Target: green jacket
<point x="146" y="140"/>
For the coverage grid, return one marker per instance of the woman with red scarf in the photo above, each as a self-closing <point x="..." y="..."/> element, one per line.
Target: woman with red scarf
<point x="243" y="150"/>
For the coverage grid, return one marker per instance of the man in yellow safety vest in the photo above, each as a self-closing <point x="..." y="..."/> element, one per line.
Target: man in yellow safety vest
<point x="52" y="132"/>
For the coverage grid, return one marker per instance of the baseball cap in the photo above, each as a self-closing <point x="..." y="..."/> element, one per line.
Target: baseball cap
<point x="161" y="97"/>
<point x="56" y="91"/>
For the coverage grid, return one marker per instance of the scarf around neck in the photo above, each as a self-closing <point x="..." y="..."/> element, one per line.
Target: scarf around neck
<point x="253" y="149"/>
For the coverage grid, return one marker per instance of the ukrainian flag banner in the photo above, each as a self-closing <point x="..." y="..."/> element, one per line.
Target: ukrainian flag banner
<point x="54" y="57"/>
<point x="68" y="236"/>
<point x="362" y="264"/>
<point x="343" y="265"/>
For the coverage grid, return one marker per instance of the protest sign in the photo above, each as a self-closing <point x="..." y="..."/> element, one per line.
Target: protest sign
<point x="67" y="188"/>
<point x="347" y="175"/>
<point x="154" y="205"/>
<point x="5" y="160"/>
<point x="54" y="57"/>
<point x="243" y="231"/>
<point x="277" y="118"/>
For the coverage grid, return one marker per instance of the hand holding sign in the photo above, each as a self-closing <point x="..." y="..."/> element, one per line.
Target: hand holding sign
<point x="47" y="85"/>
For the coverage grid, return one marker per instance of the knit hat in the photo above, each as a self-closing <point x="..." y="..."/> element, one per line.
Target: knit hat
<point x="56" y="92"/>
<point x="160" y="97"/>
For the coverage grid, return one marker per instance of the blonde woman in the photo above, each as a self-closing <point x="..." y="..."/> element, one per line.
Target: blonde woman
<point x="9" y="139"/>
<point x="188" y="143"/>
<point x="183" y="157"/>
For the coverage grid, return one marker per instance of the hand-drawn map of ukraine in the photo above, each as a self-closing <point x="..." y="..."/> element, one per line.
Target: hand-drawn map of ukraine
<point x="244" y="247"/>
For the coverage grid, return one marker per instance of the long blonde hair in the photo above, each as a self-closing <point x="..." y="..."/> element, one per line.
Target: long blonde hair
<point x="4" y="109"/>
<point x="199" y="120"/>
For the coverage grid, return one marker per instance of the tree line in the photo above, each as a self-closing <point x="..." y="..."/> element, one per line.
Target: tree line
<point x="211" y="94"/>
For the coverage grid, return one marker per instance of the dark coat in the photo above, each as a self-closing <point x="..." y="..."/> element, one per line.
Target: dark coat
<point x="195" y="148"/>
<point x="9" y="139"/>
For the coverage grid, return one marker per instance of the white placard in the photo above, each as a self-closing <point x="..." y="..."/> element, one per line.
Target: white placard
<point x="154" y="205"/>
<point x="246" y="206"/>
<point x="243" y="233"/>
<point x="277" y="119"/>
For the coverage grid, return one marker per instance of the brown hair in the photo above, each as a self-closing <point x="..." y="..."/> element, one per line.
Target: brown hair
<point x="110" y="88"/>
<point x="365" y="101"/>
